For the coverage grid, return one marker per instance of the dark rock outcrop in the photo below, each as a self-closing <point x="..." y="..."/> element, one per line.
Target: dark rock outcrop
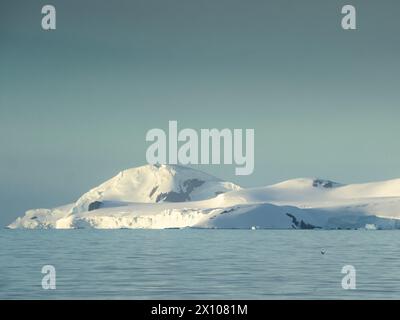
<point x="300" y="224"/>
<point x="184" y="193"/>
<point x="95" y="205"/>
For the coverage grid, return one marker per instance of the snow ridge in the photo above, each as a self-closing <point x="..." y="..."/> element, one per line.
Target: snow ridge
<point x="165" y="196"/>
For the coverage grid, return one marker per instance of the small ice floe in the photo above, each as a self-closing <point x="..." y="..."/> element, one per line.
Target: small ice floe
<point x="370" y="226"/>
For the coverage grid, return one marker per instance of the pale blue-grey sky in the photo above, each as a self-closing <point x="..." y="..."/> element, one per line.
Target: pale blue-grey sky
<point x="76" y="103"/>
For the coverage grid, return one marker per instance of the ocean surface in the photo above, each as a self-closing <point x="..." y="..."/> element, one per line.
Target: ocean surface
<point x="199" y="264"/>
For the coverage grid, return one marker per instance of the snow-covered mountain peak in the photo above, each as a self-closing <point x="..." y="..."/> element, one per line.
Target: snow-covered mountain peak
<point x="151" y="184"/>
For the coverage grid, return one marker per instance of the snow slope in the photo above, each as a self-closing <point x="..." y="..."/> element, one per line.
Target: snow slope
<point x="150" y="184"/>
<point x="377" y="198"/>
<point x="178" y="197"/>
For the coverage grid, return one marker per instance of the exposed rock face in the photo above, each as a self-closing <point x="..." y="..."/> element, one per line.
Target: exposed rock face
<point x="153" y="191"/>
<point x="184" y="195"/>
<point x="324" y="183"/>
<point x="95" y="205"/>
<point x="173" y="197"/>
<point x="300" y="224"/>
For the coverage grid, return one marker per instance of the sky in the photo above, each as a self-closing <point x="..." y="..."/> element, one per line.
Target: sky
<point x="76" y="102"/>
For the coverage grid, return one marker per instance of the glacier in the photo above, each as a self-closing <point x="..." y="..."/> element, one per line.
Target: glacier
<point x="172" y="196"/>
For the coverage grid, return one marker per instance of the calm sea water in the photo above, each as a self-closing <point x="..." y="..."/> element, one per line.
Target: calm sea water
<point x="199" y="264"/>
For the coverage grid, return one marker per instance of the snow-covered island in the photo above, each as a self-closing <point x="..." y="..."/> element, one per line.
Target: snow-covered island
<point x="166" y="196"/>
